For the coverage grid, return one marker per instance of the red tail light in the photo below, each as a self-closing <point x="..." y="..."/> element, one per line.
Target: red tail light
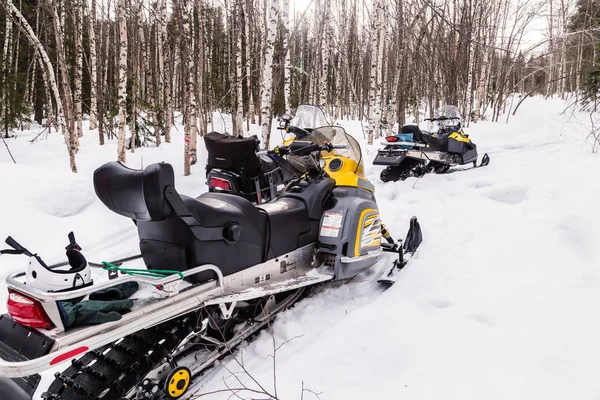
<point x="219" y="183"/>
<point x="27" y="311"/>
<point x="391" y="138"/>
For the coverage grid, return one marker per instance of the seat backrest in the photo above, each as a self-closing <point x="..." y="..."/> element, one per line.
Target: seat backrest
<point x="136" y="194"/>
<point x="415" y="130"/>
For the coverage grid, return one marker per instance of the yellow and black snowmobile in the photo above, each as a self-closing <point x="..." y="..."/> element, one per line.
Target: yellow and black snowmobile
<point x="414" y="152"/>
<point x="213" y="271"/>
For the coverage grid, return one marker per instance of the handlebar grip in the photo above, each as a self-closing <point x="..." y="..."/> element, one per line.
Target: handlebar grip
<point x="340" y="146"/>
<point x="15" y="245"/>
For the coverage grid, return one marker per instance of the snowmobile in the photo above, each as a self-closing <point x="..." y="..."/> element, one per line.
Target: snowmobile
<point x="213" y="271"/>
<point x="414" y="152"/>
<point x="235" y="167"/>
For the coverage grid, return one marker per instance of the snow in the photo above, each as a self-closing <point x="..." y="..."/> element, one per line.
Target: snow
<point x="499" y="302"/>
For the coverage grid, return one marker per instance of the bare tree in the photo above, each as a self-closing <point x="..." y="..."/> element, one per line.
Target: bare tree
<point x="267" y="83"/>
<point x="122" y="11"/>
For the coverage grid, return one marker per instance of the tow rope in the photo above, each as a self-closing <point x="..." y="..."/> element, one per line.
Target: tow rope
<point x="156" y="273"/>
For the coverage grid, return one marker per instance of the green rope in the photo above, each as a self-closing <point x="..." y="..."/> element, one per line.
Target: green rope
<point x="156" y="273"/>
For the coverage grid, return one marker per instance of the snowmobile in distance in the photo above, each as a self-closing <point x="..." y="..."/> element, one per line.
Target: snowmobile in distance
<point x="205" y="297"/>
<point x="415" y="153"/>
<point x="234" y="167"/>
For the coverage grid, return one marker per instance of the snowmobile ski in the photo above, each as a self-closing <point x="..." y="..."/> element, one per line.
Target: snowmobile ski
<point x="414" y="237"/>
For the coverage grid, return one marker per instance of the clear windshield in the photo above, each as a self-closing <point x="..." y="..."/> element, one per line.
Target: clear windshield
<point x="309" y="117"/>
<point x="336" y="135"/>
<point x="448" y="112"/>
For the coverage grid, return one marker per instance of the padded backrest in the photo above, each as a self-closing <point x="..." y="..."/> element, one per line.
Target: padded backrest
<point x="137" y="194"/>
<point x="415" y="130"/>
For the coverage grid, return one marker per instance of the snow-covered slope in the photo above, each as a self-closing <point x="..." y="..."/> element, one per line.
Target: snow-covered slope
<point x="498" y="303"/>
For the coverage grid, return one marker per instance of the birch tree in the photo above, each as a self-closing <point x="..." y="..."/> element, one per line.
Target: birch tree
<point x="93" y="65"/>
<point x="239" y="123"/>
<point x="287" y="67"/>
<point x="122" y="12"/>
<point x="78" y="67"/>
<point x="267" y="83"/>
<point x="49" y="77"/>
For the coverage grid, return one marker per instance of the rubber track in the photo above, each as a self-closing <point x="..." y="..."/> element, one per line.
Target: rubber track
<point x="110" y="372"/>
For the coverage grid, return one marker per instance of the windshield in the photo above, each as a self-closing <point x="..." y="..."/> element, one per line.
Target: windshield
<point x="309" y="117"/>
<point x="452" y="114"/>
<point x="448" y="112"/>
<point x="336" y="135"/>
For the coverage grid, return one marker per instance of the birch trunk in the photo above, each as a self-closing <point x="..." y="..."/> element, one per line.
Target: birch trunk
<point x="94" y="68"/>
<point x="380" y="73"/>
<point x="190" y="107"/>
<point x="239" y="123"/>
<point x="166" y="83"/>
<point x="49" y="76"/>
<point x="5" y="61"/>
<point x="78" y="67"/>
<point x="250" y="117"/>
<point x="287" y="68"/>
<point x="470" y="72"/>
<point x="323" y="87"/>
<point x="121" y="153"/>
<point x="200" y="48"/>
<point x="375" y="29"/>
<point x="64" y="74"/>
<point x="267" y="83"/>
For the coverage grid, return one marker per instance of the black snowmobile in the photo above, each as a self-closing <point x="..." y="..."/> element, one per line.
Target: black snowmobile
<point x="235" y="167"/>
<point x="213" y="270"/>
<point x="414" y="152"/>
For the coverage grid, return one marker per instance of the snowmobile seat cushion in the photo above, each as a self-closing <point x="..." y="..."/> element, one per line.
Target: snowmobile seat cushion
<point x="232" y="153"/>
<point x="289" y="220"/>
<point x="137" y="194"/>
<point x="217" y="209"/>
<point x="415" y="130"/>
<point x="436" y="143"/>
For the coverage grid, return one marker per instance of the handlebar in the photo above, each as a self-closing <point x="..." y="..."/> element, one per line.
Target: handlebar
<point x="15" y="245"/>
<point x="301" y="148"/>
<point x="440" y="118"/>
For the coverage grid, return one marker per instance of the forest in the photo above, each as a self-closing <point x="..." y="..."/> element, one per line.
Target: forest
<point x="130" y="67"/>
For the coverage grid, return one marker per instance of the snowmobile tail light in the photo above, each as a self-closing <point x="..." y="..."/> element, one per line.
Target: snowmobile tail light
<point x="219" y="183"/>
<point x="27" y="311"/>
<point x="391" y="138"/>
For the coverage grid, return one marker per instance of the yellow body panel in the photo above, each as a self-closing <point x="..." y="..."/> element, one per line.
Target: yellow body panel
<point x="459" y="137"/>
<point x="288" y="141"/>
<point x="371" y="237"/>
<point x="348" y="174"/>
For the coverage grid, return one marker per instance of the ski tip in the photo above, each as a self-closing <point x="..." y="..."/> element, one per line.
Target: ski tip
<point x="386" y="282"/>
<point x="485" y="160"/>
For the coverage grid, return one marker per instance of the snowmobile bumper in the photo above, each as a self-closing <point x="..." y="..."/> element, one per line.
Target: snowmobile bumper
<point x="390" y="157"/>
<point x="18" y="359"/>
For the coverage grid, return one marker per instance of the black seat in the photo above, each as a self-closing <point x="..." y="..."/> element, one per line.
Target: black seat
<point x="435" y="142"/>
<point x="288" y="218"/>
<point x="179" y="232"/>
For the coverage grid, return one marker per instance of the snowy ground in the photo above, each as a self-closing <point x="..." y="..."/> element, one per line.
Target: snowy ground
<point x="498" y="303"/>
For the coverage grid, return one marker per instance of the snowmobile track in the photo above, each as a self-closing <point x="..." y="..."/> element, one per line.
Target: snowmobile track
<point x="109" y="372"/>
